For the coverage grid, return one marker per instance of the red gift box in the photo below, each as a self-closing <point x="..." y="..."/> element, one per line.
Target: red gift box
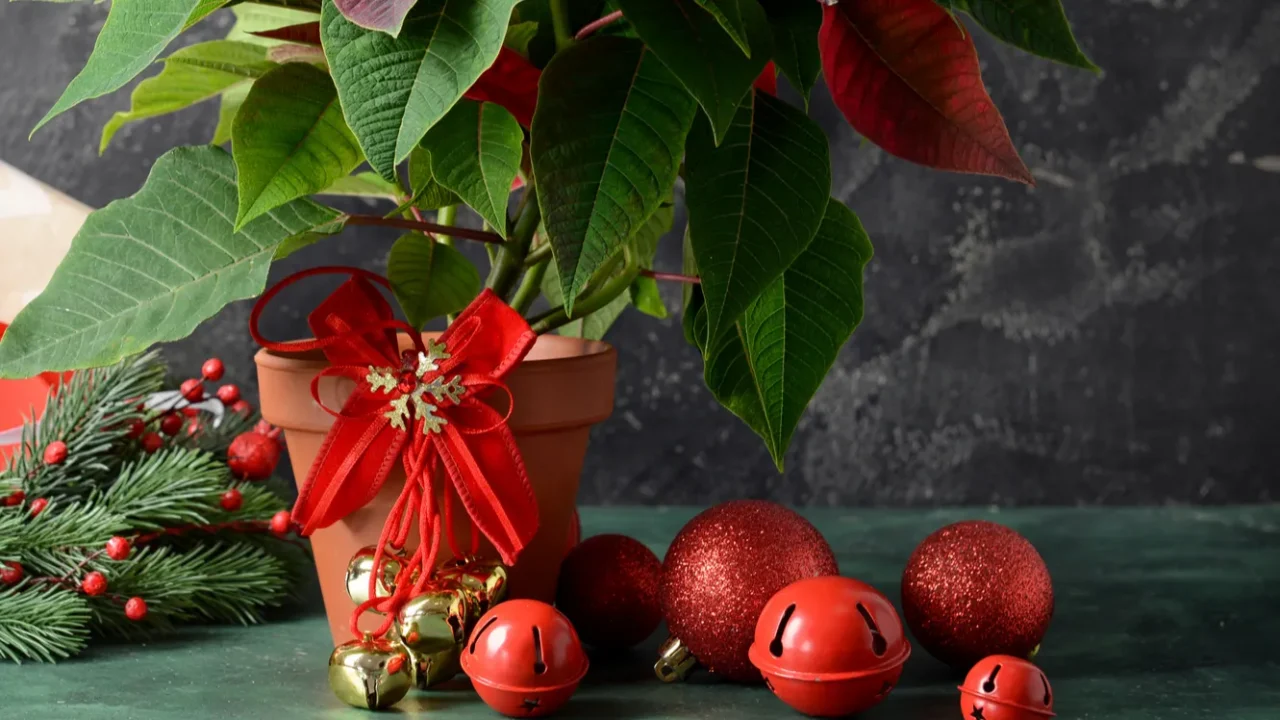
<point x="19" y="401"/>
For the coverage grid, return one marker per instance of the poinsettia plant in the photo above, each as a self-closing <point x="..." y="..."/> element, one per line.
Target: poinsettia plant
<point x="564" y="125"/>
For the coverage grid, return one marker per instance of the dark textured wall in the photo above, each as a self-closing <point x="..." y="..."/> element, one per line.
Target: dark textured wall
<point x="1106" y="337"/>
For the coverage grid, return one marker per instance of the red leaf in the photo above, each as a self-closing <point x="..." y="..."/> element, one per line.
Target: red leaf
<point x="384" y="15"/>
<point x="511" y="82"/>
<point x="304" y="34"/>
<point x="906" y="77"/>
<point x="768" y="80"/>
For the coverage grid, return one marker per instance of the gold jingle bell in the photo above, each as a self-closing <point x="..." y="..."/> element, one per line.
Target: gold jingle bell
<point x="485" y="582"/>
<point x="433" y="627"/>
<point x="361" y="567"/>
<point x="370" y="673"/>
<point x="675" y="662"/>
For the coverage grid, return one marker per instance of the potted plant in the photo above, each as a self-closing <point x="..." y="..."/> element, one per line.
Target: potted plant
<point x="565" y="125"/>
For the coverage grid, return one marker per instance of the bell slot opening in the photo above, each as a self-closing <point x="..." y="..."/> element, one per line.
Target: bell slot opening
<point x="879" y="645"/>
<point x="539" y="666"/>
<point x="480" y="632"/>
<point x="989" y="686"/>
<point x="1048" y="695"/>
<point x="775" y="647"/>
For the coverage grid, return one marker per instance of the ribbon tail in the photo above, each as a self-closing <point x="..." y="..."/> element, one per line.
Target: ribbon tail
<point x="350" y="469"/>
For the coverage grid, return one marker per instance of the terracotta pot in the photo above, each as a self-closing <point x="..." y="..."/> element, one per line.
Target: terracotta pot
<point x="563" y="387"/>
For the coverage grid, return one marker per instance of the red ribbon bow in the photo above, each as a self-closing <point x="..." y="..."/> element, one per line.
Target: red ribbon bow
<point x="422" y="408"/>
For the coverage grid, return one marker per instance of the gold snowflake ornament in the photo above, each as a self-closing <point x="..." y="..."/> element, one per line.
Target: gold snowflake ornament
<point x="413" y="403"/>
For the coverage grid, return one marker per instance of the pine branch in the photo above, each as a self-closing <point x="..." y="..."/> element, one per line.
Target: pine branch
<point x="42" y="623"/>
<point x="172" y="487"/>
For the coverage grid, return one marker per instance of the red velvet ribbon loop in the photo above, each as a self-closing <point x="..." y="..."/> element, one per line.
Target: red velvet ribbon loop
<point x="425" y="410"/>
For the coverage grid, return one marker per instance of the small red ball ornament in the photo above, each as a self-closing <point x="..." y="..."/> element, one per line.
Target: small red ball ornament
<point x="38" y="505"/>
<point x="830" y="646"/>
<point x="192" y="390"/>
<point x="171" y="424"/>
<point x="152" y="442"/>
<point x="231" y="500"/>
<point x="11" y="573"/>
<point x="55" y="452"/>
<point x="974" y="589"/>
<point x="1003" y="687"/>
<point x="524" y="658"/>
<point x="135" y="609"/>
<point x="212" y="370"/>
<point x="719" y="572"/>
<point x="608" y="589"/>
<point x="254" y="455"/>
<point x="94" y="584"/>
<point x="137" y="428"/>
<point x="281" y="522"/>
<point x="229" y="394"/>
<point x="118" y="548"/>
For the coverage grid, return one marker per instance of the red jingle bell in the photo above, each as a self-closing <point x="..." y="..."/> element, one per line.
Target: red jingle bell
<point x="524" y="658"/>
<point x="830" y="646"/>
<point x="1003" y="687"/>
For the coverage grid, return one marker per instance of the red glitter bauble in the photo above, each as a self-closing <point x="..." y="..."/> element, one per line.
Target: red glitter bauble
<point x="723" y="567"/>
<point x="975" y="589"/>
<point x="253" y="455"/>
<point x="609" y="591"/>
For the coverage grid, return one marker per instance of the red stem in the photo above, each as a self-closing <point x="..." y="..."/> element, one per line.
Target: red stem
<point x="595" y="25"/>
<point x="673" y="277"/>
<point x="430" y="227"/>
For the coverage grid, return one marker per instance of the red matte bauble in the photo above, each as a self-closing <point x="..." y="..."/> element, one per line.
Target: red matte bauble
<point x="608" y="589"/>
<point x="1002" y="687"/>
<point x="975" y="589"/>
<point x="253" y="455"/>
<point x="723" y="567"/>
<point x="524" y="658"/>
<point x="830" y="646"/>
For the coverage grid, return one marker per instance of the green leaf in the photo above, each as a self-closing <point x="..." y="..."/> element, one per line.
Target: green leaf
<point x="519" y="35"/>
<point x="430" y="279"/>
<point x="591" y="327"/>
<point x="698" y="51"/>
<point x="646" y="297"/>
<point x="795" y="41"/>
<point x="606" y="144"/>
<point x="729" y="14"/>
<point x="755" y="202"/>
<point x="428" y="194"/>
<point x="645" y="241"/>
<point x="1038" y="26"/>
<point x="191" y="75"/>
<point x="253" y="17"/>
<point x="232" y="99"/>
<point x="394" y="89"/>
<point x="150" y="267"/>
<point x="133" y="36"/>
<point x="475" y="152"/>
<point x="767" y="366"/>
<point x="691" y="296"/>
<point x="289" y="140"/>
<point x="365" y="184"/>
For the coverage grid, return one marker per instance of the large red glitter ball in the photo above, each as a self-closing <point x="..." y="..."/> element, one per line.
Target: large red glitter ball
<point x="724" y="566"/>
<point x="609" y="591"/>
<point x="253" y="455"/>
<point x="975" y="589"/>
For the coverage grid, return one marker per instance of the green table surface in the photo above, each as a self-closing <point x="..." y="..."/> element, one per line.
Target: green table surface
<point x="1162" y="613"/>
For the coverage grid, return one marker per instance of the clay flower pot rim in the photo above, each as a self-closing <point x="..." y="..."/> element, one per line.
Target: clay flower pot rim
<point x="551" y="353"/>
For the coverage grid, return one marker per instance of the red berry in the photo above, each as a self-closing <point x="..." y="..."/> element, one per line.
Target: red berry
<point x="171" y="424"/>
<point x="118" y="548"/>
<point x="135" y="609"/>
<point x="94" y="584"/>
<point x="192" y="390"/>
<point x="152" y="442"/>
<point x="11" y="573"/>
<point x="212" y="370"/>
<point x="229" y="394"/>
<point x="231" y="500"/>
<point x="136" y="428"/>
<point x="242" y="407"/>
<point x="190" y="411"/>
<point x="194" y="426"/>
<point x="38" y="505"/>
<point x="281" y="522"/>
<point x="55" y="452"/>
<point x="15" y="498"/>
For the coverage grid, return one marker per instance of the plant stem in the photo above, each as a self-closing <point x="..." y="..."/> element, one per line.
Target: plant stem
<point x="588" y="304"/>
<point x="466" y="233"/>
<point x="530" y="286"/>
<point x="560" y="23"/>
<point x="673" y="277"/>
<point x="447" y="215"/>
<point x="510" y="261"/>
<point x="595" y="25"/>
<point x="538" y="254"/>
